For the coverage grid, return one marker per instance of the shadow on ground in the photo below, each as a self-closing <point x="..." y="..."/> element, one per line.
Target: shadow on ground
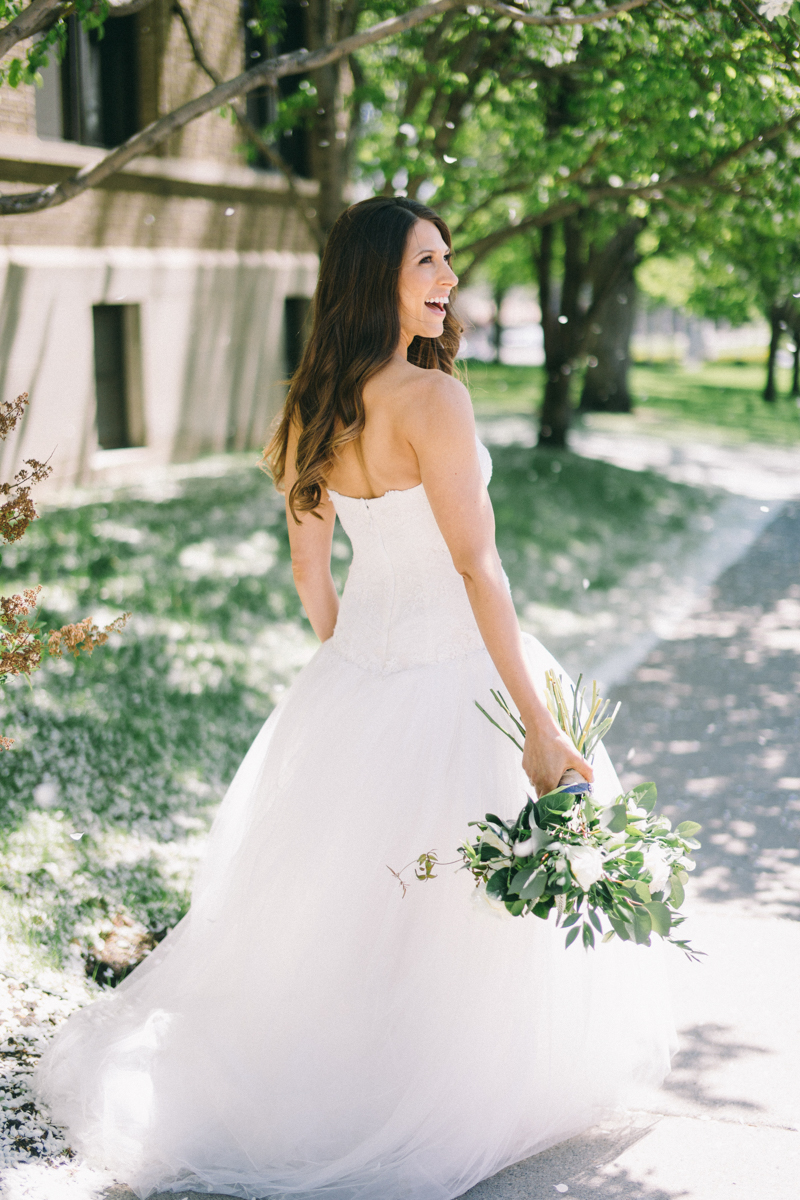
<point x="713" y="716"/>
<point x="583" y="1165"/>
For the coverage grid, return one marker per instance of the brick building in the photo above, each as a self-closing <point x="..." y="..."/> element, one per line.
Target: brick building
<point x="151" y="319"/>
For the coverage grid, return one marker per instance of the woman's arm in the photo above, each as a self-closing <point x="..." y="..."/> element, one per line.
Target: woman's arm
<point x="310" y="543"/>
<point x="441" y="428"/>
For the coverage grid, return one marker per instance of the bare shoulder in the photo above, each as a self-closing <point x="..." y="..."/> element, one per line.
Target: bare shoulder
<point x="437" y="405"/>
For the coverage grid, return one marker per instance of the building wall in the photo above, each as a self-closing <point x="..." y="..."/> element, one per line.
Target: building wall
<point x="205" y="246"/>
<point x="211" y="342"/>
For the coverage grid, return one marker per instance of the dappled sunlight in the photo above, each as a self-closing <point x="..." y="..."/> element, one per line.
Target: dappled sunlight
<point x="714" y="716"/>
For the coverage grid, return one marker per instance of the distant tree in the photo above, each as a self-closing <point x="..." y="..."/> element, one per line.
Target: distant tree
<point x="589" y="137"/>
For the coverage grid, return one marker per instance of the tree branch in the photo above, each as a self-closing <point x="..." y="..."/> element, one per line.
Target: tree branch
<point x="251" y="132"/>
<point x="708" y="178"/>
<point x="516" y="14"/>
<point x="265" y="73"/>
<point x="33" y="19"/>
<point x="126" y="8"/>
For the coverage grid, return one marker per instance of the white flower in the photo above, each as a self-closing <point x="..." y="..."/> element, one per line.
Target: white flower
<point x="537" y="840"/>
<point x="489" y="904"/>
<point x="489" y="838"/>
<point x="657" y="864"/>
<point x="586" y="863"/>
<point x="774" y="8"/>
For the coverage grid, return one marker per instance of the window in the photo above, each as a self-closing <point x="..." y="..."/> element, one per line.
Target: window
<point x="262" y="103"/>
<point x="117" y="376"/>
<point x="92" y="95"/>
<point x="296" y="313"/>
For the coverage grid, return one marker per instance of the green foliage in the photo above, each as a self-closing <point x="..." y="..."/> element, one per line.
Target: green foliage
<point x="490" y="120"/>
<point x="51" y="41"/>
<point x="717" y="397"/>
<point x="567" y="853"/>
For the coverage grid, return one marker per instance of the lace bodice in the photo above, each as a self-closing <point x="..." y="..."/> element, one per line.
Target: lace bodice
<point x="404" y="602"/>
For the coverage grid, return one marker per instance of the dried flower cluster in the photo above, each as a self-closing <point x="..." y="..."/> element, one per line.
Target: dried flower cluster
<point x="21" y="643"/>
<point x="17" y="512"/>
<point x="84" y="635"/>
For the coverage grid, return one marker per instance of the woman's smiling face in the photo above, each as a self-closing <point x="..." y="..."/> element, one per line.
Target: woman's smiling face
<point x="426" y="280"/>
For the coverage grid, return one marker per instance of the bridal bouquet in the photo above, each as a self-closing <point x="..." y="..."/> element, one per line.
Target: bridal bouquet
<point x="616" y="870"/>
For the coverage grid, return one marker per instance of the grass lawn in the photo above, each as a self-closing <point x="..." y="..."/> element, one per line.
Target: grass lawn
<point x="727" y="398"/>
<point x="121" y="758"/>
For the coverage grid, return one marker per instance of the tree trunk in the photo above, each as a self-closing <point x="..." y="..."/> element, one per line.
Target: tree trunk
<point x="796" y="364"/>
<point x="559" y="336"/>
<point x="330" y="132"/>
<point x="770" y="389"/>
<point x="605" y="384"/>
<point x="498" y="296"/>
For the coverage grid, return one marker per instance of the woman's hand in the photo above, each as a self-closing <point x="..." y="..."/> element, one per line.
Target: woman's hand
<point x="548" y="754"/>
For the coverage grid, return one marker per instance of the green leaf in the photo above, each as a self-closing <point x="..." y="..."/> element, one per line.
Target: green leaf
<point x="614" y="819"/>
<point x="588" y="936"/>
<point x="660" y="917"/>
<point x="642" y="891"/>
<point x="515" y="907"/>
<point x="496" y="821"/>
<point x="677" y="895"/>
<point x="642" y="926"/>
<point x="571" y="936"/>
<point x="510" y="737"/>
<point x="593" y="917"/>
<point x="645" y="795"/>
<point x="688" y="829"/>
<point x="608" y="936"/>
<point x="529" y="884"/>
<point x="571" y="919"/>
<point x="497" y="885"/>
<point x="621" y="928"/>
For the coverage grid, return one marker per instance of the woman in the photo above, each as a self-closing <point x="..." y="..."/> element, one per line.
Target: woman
<point x="306" y="1030"/>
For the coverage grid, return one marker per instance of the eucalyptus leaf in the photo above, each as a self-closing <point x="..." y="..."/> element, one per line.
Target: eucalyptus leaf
<point x="645" y="795"/>
<point x="622" y="929"/>
<point x="642" y="926"/>
<point x="614" y="819"/>
<point x="497" y="885"/>
<point x="534" y="886"/>
<point x="571" y="936"/>
<point x="677" y="894"/>
<point x="660" y="917"/>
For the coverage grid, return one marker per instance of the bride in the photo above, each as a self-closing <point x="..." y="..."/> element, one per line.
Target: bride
<point x="307" y="1030"/>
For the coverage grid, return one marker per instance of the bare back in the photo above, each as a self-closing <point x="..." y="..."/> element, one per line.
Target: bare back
<point x="388" y="456"/>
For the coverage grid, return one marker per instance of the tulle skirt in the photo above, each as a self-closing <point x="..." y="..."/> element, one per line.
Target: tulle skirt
<point x="309" y="1031"/>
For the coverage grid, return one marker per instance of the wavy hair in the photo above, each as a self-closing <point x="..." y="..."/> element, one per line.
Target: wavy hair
<point x="355" y="332"/>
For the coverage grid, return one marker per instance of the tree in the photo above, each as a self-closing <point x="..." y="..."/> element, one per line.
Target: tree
<point x="332" y="25"/>
<point x="748" y="259"/>
<point x="646" y="121"/>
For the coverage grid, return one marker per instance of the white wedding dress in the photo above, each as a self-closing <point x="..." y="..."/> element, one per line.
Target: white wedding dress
<point x="306" y="1030"/>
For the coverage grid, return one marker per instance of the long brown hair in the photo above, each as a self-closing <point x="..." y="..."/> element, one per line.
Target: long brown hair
<point x="355" y="332"/>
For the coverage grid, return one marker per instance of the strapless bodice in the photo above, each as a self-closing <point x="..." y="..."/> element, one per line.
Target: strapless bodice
<point x="404" y="603"/>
